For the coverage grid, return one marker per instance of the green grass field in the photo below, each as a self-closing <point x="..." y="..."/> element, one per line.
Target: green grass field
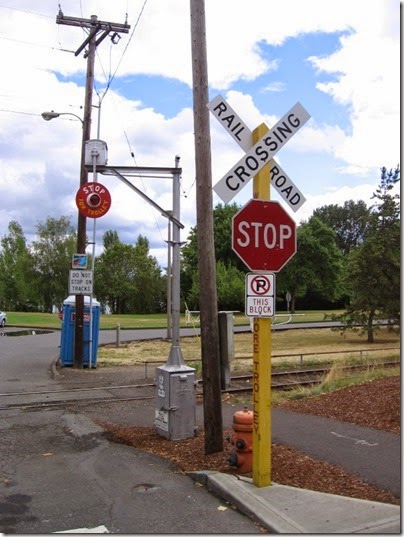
<point x="51" y="320"/>
<point x="317" y="345"/>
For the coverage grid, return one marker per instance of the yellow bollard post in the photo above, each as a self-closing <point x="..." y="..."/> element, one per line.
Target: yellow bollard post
<point x="262" y="348"/>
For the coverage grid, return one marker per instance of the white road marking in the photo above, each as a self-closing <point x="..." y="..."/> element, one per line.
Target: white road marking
<point x="356" y="440"/>
<point x="98" y="529"/>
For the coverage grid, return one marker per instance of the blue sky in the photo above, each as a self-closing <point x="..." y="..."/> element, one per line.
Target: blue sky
<point x="340" y="59"/>
<point x="281" y="89"/>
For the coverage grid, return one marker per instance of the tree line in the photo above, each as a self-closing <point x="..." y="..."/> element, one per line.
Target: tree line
<point x="35" y="277"/>
<point x="348" y="257"/>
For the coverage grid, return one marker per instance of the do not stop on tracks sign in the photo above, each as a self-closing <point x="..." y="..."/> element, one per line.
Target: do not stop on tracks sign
<point x="264" y="235"/>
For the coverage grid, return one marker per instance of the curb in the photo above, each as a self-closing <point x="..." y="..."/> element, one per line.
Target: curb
<point x="284" y="509"/>
<point x="235" y="490"/>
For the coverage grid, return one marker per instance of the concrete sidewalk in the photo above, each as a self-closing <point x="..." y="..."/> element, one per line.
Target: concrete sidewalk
<point x="283" y="509"/>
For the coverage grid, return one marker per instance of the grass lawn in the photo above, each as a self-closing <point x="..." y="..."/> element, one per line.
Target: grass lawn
<point x="313" y="343"/>
<point x="130" y="321"/>
<point x="310" y="343"/>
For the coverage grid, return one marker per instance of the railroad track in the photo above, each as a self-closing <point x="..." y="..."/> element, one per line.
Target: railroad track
<point x="291" y="379"/>
<point x="40" y="400"/>
<point x="79" y="396"/>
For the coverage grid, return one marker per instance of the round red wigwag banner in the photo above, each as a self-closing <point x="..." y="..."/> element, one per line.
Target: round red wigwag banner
<point x="93" y="200"/>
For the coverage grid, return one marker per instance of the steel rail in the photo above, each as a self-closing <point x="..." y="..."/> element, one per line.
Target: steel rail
<point x="317" y="376"/>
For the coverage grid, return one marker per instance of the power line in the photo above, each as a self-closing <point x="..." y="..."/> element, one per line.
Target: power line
<point x="18" y="112"/>
<point x="144" y="186"/>
<point x="34" y="44"/>
<point x="26" y="11"/>
<point x="127" y="45"/>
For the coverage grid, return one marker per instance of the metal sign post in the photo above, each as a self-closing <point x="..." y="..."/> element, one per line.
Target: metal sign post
<point x="262" y="354"/>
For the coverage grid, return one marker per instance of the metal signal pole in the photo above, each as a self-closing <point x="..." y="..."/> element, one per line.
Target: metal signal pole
<point x="95" y="26"/>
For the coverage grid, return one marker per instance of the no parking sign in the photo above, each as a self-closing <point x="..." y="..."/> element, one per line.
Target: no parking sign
<point x="260" y="294"/>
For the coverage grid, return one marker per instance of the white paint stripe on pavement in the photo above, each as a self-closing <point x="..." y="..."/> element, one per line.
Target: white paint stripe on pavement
<point x="98" y="529"/>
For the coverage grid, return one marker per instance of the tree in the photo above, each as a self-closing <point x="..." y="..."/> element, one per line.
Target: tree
<point x="230" y="293"/>
<point x="114" y="277"/>
<point x="222" y="222"/>
<point x="150" y="295"/>
<point x="348" y="222"/>
<point x="52" y="257"/>
<point x="373" y="269"/>
<point x="110" y="238"/>
<point x="15" y="270"/>
<point x="230" y="289"/>
<point x="128" y="278"/>
<point x="317" y="265"/>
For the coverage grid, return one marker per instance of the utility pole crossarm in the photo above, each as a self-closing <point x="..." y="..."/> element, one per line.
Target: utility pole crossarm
<point x="89" y="23"/>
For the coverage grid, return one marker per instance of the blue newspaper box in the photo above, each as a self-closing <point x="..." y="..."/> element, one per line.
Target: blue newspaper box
<point x="68" y="331"/>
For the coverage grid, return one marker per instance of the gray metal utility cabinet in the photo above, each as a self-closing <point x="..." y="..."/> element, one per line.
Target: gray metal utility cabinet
<point x="175" y="409"/>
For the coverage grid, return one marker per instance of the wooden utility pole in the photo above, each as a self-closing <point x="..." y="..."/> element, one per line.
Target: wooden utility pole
<point x="82" y="221"/>
<point x="212" y="402"/>
<point x="94" y="26"/>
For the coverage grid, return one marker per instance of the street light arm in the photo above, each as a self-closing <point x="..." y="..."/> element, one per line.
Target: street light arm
<point x="47" y="116"/>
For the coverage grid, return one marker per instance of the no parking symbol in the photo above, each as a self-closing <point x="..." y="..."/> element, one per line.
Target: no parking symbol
<point x="260" y="295"/>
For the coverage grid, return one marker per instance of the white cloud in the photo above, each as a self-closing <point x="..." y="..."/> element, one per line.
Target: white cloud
<point x="368" y="69"/>
<point x="274" y="87"/>
<point x="335" y="196"/>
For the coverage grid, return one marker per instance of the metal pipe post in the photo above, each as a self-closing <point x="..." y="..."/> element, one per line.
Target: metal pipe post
<point x="175" y="357"/>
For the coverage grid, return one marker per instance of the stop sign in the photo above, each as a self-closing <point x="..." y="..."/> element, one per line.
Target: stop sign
<point x="264" y="235"/>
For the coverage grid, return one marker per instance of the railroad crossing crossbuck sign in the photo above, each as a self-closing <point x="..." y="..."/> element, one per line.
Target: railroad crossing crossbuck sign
<point x="263" y="235"/>
<point x="259" y="154"/>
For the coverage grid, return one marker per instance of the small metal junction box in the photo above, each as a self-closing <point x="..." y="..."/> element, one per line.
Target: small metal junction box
<point x="175" y="409"/>
<point x="97" y="149"/>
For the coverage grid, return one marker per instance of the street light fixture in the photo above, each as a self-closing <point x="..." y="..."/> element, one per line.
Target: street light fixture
<point x="47" y="116"/>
